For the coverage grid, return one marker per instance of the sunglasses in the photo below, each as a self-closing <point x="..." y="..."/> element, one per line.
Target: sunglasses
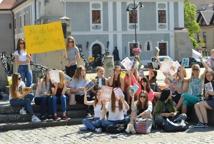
<point x="142" y="96"/>
<point x="195" y="69"/>
<point x="70" y="41"/>
<point x="21" y="43"/>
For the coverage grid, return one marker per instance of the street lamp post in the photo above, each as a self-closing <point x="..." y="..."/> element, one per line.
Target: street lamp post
<point x="133" y="7"/>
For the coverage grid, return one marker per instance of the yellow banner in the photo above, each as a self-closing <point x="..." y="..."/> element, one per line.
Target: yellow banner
<point x="44" y="38"/>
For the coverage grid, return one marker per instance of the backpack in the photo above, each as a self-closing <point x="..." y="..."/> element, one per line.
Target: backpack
<point x="114" y="129"/>
<point x="169" y="126"/>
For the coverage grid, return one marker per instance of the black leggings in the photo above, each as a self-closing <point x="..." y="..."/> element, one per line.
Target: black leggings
<point x="70" y="70"/>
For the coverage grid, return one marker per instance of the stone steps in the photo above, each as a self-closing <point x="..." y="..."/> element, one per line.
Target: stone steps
<point x="13" y="118"/>
<point x="5" y="108"/>
<point x="30" y="125"/>
<point x="10" y="119"/>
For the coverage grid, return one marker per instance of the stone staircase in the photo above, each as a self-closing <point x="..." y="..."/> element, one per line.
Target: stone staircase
<point x="10" y="119"/>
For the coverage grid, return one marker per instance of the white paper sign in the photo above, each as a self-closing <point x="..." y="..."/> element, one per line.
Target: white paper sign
<point x="118" y="92"/>
<point x="196" y="55"/>
<point x="54" y="76"/>
<point x="127" y="63"/>
<point x="106" y="92"/>
<point x="208" y="87"/>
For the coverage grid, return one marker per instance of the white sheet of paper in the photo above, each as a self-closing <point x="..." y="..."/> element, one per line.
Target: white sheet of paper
<point x="118" y="92"/>
<point x="208" y="87"/>
<point x="127" y="63"/>
<point x="196" y="55"/>
<point x="54" y="76"/>
<point x="106" y="92"/>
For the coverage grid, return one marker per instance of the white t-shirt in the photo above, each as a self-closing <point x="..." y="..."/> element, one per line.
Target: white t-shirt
<point x="97" y="111"/>
<point x="81" y="83"/>
<point x="117" y="115"/>
<point x="20" y="86"/>
<point x="22" y="56"/>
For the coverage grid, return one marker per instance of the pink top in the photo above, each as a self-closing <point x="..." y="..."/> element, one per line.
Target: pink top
<point x="151" y="95"/>
<point x="133" y="81"/>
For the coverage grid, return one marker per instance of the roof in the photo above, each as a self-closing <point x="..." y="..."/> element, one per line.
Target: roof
<point x="9" y="4"/>
<point x="205" y="17"/>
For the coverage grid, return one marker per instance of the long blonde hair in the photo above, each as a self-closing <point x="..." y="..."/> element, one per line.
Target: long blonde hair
<point x="61" y="78"/>
<point x="71" y="38"/>
<point x="14" y="85"/>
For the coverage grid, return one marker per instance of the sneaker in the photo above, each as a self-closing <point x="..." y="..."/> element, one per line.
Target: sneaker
<point x="98" y="130"/>
<point x="56" y="118"/>
<point x="199" y="125"/>
<point x="83" y="129"/>
<point x="181" y="117"/>
<point x="23" y="111"/>
<point x="35" y="119"/>
<point x="65" y="118"/>
<point x="205" y="125"/>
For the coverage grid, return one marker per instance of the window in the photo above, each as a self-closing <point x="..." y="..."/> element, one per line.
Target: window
<point x="96" y="19"/>
<point x="133" y="16"/>
<point x="161" y="16"/>
<point x="148" y="46"/>
<point x="162" y="19"/>
<point x="204" y="35"/>
<point x="25" y="19"/>
<point x="132" y="45"/>
<point x="163" y="48"/>
<point x="132" y="19"/>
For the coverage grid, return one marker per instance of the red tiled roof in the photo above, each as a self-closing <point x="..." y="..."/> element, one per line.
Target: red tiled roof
<point x="9" y="4"/>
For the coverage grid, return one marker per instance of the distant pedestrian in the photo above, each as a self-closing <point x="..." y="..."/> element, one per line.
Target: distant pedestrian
<point x="210" y="61"/>
<point x="22" y="59"/>
<point x="116" y="56"/>
<point x="72" y="55"/>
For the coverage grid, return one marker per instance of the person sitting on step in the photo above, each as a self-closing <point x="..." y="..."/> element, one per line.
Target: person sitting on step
<point x="21" y="96"/>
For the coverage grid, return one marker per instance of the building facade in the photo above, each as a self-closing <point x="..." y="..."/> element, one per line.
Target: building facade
<point x="102" y="25"/>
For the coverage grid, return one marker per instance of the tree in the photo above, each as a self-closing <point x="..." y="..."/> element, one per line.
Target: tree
<point x="191" y="24"/>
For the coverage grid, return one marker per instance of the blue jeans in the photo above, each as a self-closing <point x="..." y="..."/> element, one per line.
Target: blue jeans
<point x="44" y="105"/>
<point x="92" y="123"/>
<point x="25" y="102"/>
<point x="26" y="74"/>
<point x="62" y="100"/>
<point x="107" y="123"/>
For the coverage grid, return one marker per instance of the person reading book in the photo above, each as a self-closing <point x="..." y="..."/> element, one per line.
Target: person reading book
<point x="208" y="103"/>
<point x="20" y="97"/>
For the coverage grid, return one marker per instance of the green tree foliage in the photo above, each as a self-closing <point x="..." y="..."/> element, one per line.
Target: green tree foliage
<point x="191" y="24"/>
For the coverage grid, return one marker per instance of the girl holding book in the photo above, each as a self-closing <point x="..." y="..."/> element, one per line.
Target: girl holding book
<point x="93" y="124"/>
<point x="208" y="104"/>
<point x="21" y="96"/>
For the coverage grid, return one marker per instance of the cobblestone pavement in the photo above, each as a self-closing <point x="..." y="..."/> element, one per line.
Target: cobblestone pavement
<point x="71" y="135"/>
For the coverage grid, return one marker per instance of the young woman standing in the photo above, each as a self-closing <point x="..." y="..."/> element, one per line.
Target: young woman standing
<point x="22" y="59"/>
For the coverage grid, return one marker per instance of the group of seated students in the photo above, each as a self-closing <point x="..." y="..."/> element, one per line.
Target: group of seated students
<point x="163" y="105"/>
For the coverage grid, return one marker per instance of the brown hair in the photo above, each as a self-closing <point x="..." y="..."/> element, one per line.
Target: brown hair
<point x="139" y="103"/>
<point x="71" y="38"/>
<point x="113" y="103"/>
<point x="18" y="44"/>
<point x="78" y="72"/>
<point x="116" y="83"/>
<point x="14" y="85"/>
<point x="99" y="68"/>
<point x="145" y="80"/>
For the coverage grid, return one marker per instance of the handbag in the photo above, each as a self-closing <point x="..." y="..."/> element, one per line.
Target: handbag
<point x="143" y="126"/>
